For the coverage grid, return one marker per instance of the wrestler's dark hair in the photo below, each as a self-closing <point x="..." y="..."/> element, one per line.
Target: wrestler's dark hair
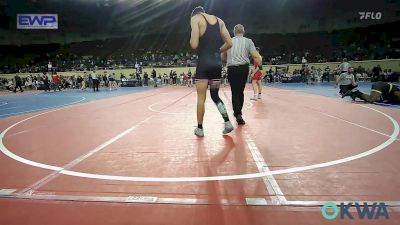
<point x="197" y="10"/>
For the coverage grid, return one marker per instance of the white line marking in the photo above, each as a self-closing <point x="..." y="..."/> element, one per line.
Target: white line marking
<point x="355" y="124"/>
<point x="393" y="136"/>
<point x="126" y="199"/>
<point x="314" y="95"/>
<point x="269" y="180"/>
<point x="75" y="162"/>
<point x="12" y="107"/>
<point x="181" y="201"/>
<point x="321" y="203"/>
<point x="256" y="201"/>
<point x="248" y="103"/>
<point x="150" y="107"/>
<point x="32" y="188"/>
<point x="335" y="117"/>
<point x="29" y="162"/>
<point x="50" y="107"/>
<point x="141" y="199"/>
<point x="7" y="192"/>
<point x="22" y="132"/>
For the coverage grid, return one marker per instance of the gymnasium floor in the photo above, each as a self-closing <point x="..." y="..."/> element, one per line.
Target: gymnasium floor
<point x="130" y="157"/>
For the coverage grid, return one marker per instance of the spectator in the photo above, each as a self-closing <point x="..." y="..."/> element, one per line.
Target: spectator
<point x="46" y="82"/>
<point x="377" y="73"/>
<point x="326" y="74"/>
<point x="56" y="81"/>
<point x="105" y="79"/>
<point x="95" y="81"/>
<point x="190" y="79"/>
<point x="146" y="79"/>
<point x="18" y="83"/>
<point x="79" y="81"/>
<point x="154" y="76"/>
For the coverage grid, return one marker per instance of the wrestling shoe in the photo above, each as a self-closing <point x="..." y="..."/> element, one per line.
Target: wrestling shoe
<point x="228" y="128"/>
<point x="199" y="132"/>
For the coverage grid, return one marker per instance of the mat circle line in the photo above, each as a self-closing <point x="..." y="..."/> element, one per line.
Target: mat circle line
<point x="6" y="151"/>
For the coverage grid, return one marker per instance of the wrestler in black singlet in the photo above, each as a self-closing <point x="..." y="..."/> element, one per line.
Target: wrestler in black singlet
<point x="385" y="89"/>
<point x="209" y="62"/>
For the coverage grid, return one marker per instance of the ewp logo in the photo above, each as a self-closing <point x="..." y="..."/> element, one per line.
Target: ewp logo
<point x="37" y="21"/>
<point x="330" y="211"/>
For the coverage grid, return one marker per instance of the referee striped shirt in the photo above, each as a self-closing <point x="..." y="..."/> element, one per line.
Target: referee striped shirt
<point x="240" y="51"/>
<point x="344" y="67"/>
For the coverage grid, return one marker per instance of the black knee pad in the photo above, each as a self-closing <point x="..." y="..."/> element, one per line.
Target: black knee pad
<point x="214" y="88"/>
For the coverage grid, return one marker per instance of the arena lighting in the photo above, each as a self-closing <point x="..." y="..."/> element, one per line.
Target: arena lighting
<point x="127" y="14"/>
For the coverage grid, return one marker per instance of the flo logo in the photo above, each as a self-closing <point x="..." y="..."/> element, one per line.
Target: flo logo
<point x="370" y="15"/>
<point x="371" y="212"/>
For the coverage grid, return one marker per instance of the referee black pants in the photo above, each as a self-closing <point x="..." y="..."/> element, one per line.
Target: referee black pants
<point x="96" y="83"/>
<point x="237" y="76"/>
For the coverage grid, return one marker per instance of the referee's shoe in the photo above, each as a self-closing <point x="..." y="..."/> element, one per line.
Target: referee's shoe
<point x="240" y="120"/>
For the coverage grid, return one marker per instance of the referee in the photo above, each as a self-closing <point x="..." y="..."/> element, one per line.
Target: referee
<point x="238" y="62"/>
<point x="344" y="67"/>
